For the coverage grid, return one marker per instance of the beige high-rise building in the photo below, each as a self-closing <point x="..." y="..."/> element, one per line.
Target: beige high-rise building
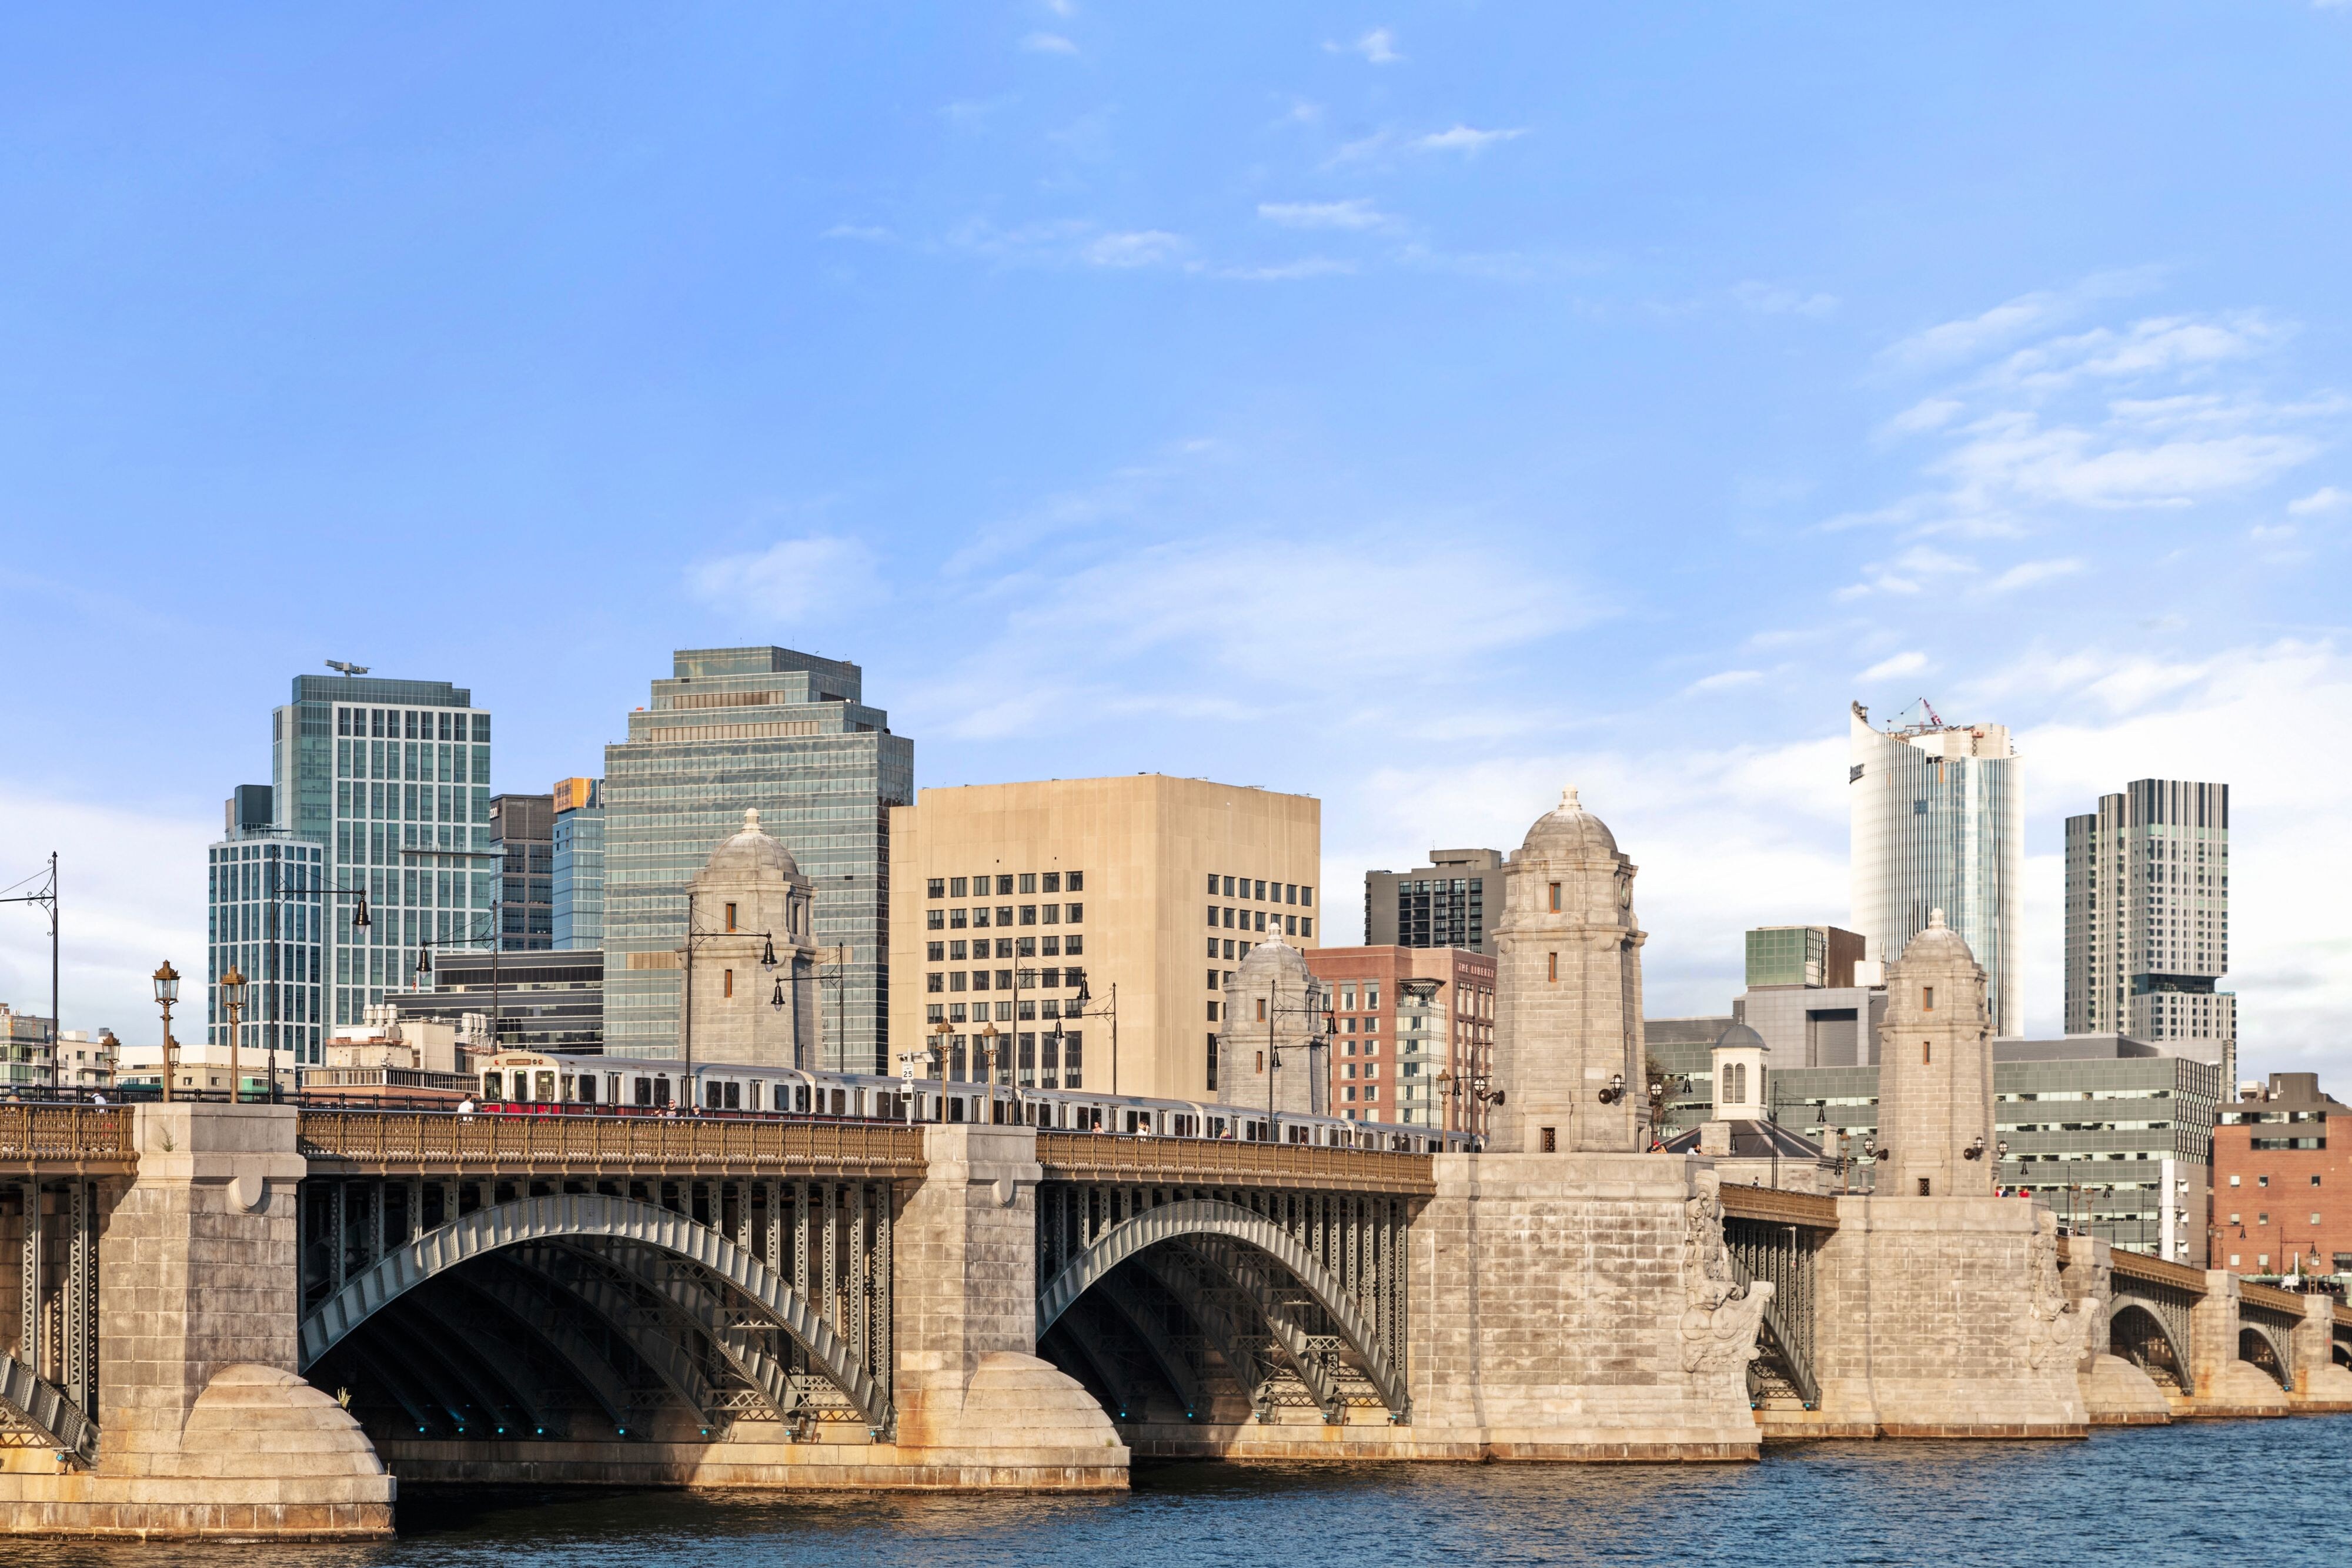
<point x="1032" y="909"/>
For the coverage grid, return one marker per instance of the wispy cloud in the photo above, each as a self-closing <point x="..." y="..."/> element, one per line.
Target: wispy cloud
<point x="1379" y="46"/>
<point x="1971" y="337"/>
<point x="1723" y="681"/>
<point x="1356" y="213"/>
<point x="866" y="232"/>
<point x="2034" y="573"/>
<point x="1905" y="664"/>
<point x="815" y="578"/>
<point x="2326" y="498"/>
<point x="1465" y="138"/>
<point x="1134" y="247"/>
<point x="1778" y="299"/>
<point x="1048" y="44"/>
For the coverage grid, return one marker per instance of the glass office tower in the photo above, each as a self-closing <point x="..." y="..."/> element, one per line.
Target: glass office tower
<point x="392" y="780"/>
<point x="787" y="733"/>
<point x="578" y="893"/>
<point x="265" y="916"/>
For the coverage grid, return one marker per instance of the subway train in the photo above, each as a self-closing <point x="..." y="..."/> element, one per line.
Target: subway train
<point x="526" y="1082"/>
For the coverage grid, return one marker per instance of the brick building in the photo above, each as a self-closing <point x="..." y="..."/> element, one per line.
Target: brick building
<point x="1404" y="1016"/>
<point x="2282" y="1190"/>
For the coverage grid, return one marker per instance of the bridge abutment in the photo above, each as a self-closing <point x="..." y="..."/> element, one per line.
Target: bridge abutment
<point x="205" y="1427"/>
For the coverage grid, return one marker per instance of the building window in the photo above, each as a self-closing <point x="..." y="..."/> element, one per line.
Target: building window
<point x="730" y="917"/>
<point x="1552" y="965"/>
<point x="1927" y="999"/>
<point x="1053" y="882"/>
<point x="955" y="887"/>
<point x="935" y="982"/>
<point x="1077" y="913"/>
<point x="1212" y="1012"/>
<point x="935" y="951"/>
<point x="1927" y="1053"/>
<point x="1212" y="979"/>
<point x="936" y="887"/>
<point x="1028" y="915"/>
<point x="1924" y="1188"/>
<point x="1229" y="887"/>
<point x="1548" y="1140"/>
<point x="1555" y="898"/>
<point x="727" y="982"/>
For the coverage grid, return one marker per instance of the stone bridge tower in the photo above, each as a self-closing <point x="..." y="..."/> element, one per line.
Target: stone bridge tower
<point x="1273" y="1022"/>
<point x="1935" y="1072"/>
<point x="1568" y="988"/>
<point x="749" y="893"/>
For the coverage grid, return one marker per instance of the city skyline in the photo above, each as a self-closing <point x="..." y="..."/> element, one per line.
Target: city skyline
<point x="1420" y="431"/>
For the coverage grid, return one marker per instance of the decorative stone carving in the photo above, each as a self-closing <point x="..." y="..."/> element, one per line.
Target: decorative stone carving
<point x="2056" y="1331"/>
<point x="1720" y="1316"/>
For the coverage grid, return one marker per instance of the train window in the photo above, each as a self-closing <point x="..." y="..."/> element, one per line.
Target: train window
<point x="544" y="1091"/>
<point x="493" y="1086"/>
<point x="644" y="1089"/>
<point x="661" y="1089"/>
<point x="734" y="1096"/>
<point x="586" y="1088"/>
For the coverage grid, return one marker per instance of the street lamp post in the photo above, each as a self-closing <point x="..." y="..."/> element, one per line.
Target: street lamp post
<point x="167" y="991"/>
<point x="1087" y="1009"/>
<point x="987" y="1039"/>
<point x="233" y="989"/>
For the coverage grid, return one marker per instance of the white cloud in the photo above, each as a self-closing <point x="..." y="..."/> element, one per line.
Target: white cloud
<point x="2032" y="574"/>
<point x="1465" y="138"/>
<point x="798" y="579"/>
<point x="1723" y="681"/>
<point x="1048" y="44"/>
<point x="1134" y="247"/>
<point x="1907" y="664"/>
<point x="1927" y="413"/>
<point x="1778" y="299"/>
<point x="1355" y="213"/>
<point x="1288" y="271"/>
<point x="857" y="231"/>
<point x="2326" y="498"/>
<point x="1379" y="46"/>
<point x="1969" y="337"/>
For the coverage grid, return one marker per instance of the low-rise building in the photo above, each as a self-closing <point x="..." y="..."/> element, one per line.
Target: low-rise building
<point x="1413" y="1033"/>
<point x="27" y="1046"/>
<point x="204" y="1068"/>
<point x="549" y="1000"/>
<point x="2282" y="1190"/>
<point x="84" y="1061"/>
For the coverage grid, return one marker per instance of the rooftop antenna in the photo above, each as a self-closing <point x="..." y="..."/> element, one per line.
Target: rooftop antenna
<point x="347" y="669"/>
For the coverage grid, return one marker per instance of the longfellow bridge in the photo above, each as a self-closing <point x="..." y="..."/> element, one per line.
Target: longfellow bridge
<point x="248" y="1318"/>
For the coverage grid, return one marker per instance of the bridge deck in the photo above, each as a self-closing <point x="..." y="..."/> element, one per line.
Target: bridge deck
<point x="1096" y="1157"/>
<point x="1813" y="1211"/>
<point x="405" y="1143"/>
<point x="67" y="1140"/>
<point x="2160" y="1271"/>
<point x="2252" y="1295"/>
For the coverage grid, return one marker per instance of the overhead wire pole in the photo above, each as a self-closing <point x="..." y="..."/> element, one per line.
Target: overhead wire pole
<point x="47" y="898"/>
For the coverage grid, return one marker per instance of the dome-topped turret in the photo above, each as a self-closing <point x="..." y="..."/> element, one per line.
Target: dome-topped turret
<point x="1938" y="943"/>
<point x="1737" y="1036"/>
<point x="751" y="852"/>
<point x="1568" y="830"/>
<point x="1272" y="955"/>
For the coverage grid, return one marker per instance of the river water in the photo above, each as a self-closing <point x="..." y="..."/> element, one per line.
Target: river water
<point x="2257" y="1491"/>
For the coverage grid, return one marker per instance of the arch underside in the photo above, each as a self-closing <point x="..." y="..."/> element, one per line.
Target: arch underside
<point x="582" y="1315"/>
<point x="1198" y="1301"/>
<point x="2270" y="1348"/>
<point x="2151" y="1336"/>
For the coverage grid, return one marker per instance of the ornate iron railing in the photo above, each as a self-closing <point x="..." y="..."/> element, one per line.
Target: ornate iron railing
<point x="385" y="1140"/>
<point x="1099" y="1158"/>
<point x="2160" y="1271"/>
<point x="77" y="1137"/>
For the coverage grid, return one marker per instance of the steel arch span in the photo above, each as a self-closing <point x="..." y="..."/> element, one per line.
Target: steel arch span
<point x="593" y="1216"/>
<point x="1213" y="1218"/>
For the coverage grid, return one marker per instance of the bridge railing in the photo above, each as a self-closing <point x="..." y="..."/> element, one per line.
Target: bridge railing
<point x="481" y="1145"/>
<point x="78" y="1136"/>
<point x="1813" y="1211"/>
<point x="2160" y="1271"/>
<point x="1090" y="1157"/>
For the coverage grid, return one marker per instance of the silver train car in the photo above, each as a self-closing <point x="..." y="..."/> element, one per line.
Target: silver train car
<point x="539" y="1082"/>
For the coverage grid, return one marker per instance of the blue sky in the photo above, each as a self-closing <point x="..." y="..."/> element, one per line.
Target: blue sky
<point x="1416" y="407"/>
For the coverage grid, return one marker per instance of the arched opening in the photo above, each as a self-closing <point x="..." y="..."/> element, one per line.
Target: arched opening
<point x="2139" y="1336"/>
<point x="2256" y="1346"/>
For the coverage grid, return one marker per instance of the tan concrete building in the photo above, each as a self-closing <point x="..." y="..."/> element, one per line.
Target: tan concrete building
<point x="1010" y="903"/>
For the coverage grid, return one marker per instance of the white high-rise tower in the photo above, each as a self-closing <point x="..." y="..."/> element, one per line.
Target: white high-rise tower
<point x="1938" y="822"/>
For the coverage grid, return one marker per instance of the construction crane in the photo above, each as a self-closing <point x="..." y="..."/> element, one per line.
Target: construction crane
<point x="347" y="669"/>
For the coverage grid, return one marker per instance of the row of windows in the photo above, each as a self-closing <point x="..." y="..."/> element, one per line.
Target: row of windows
<point x="411" y="724"/>
<point x="412" y="802"/>
<point x="1006" y="947"/>
<point x="1026" y="882"/>
<point x="2265" y="1181"/>
<point x="1255" y="920"/>
<point x="1260" y="892"/>
<point x="416" y="762"/>
<point x="1028" y="979"/>
<point x="1029" y="914"/>
<point x="952" y="1013"/>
